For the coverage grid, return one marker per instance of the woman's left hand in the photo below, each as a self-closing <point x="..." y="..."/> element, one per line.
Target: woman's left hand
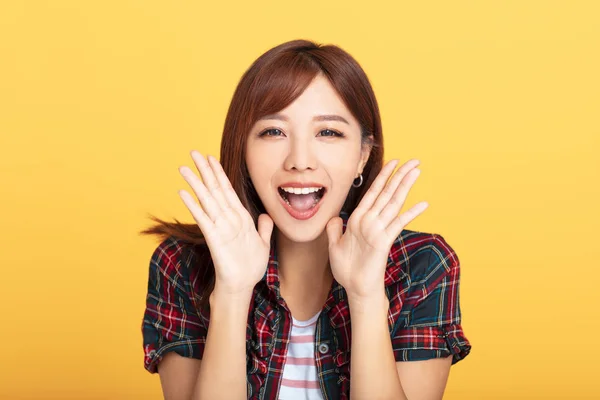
<point x="358" y="258"/>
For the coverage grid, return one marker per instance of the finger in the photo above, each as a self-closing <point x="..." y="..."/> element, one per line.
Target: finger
<point x="198" y="213"/>
<point x="394" y="205"/>
<point x="209" y="179"/>
<point x="334" y="230"/>
<point x="395" y="227"/>
<point x="225" y="184"/>
<point x="378" y="184"/>
<point x="265" y="227"/>
<point x="390" y="189"/>
<point x="209" y="205"/>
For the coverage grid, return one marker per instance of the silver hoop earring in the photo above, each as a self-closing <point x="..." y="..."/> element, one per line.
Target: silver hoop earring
<point x="360" y="181"/>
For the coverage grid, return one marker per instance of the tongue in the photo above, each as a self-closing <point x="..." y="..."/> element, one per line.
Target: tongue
<point x="301" y="202"/>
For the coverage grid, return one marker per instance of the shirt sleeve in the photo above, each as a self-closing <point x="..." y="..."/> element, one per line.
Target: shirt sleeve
<point x="171" y="321"/>
<point x="432" y="327"/>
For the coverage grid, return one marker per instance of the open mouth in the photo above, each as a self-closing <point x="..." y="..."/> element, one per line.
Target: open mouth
<point x="302" y="199"/>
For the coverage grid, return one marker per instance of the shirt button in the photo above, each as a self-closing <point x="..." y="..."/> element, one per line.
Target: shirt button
<point x="323" y="348"/>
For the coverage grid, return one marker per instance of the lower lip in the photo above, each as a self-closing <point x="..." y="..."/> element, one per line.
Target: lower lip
<point x="301" y="215"/>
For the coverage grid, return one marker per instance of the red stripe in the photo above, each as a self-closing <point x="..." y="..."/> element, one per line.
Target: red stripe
<point x="300" y="384"/>
<point x="300" y="361"/>
<point x="302" y="339"/>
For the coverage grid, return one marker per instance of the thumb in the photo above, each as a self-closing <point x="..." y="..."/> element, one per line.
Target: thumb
<point x="334" y="230"/>
<point x="265" y="227"/>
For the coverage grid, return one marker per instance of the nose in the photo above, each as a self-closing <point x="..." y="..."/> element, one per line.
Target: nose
<point x="300" y="156"/>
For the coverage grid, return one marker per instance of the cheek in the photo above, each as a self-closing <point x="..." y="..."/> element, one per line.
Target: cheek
<point x="261" y="169"/>
<point x="341" y="164"/>
<point x="253" y="160"/>
<point x="263" y="155"/>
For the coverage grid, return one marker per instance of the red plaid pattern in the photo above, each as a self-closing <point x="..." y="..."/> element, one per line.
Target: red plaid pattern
<point x="421" y="281"/>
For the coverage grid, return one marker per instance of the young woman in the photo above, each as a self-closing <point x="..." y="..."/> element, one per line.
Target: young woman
<point x="299" y="279"/>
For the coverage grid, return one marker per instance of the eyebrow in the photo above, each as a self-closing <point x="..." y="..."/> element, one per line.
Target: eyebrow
<point x="327" y="117"/>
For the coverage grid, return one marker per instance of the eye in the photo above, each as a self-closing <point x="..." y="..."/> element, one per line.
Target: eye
<point x="331" y="133"/>
<point x="271" y="132"/>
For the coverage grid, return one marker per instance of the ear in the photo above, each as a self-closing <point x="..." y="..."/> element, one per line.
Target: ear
<point x="364" y="156"/>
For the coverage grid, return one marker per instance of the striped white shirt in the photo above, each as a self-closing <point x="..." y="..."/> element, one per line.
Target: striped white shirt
<point x="300" y="380"/>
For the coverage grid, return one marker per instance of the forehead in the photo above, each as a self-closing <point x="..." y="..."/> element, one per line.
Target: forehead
<point x="320" y="97"/>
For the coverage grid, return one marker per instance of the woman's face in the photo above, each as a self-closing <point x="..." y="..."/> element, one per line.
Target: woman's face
<point x="301" y="167"/>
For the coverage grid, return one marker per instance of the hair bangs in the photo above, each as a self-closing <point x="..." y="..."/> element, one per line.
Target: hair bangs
<point x="283" y="81"/>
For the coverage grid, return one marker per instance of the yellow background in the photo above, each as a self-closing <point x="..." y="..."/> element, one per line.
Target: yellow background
<point x="100" y="102"/>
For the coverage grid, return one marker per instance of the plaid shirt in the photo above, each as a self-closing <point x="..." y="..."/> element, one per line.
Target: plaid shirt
<point x="421" y="282"/>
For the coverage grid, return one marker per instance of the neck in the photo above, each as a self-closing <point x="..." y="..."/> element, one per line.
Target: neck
<point x="303" y="267"/>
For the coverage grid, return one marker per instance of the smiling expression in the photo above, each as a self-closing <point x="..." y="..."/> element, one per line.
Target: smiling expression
<point x="303" y="159"/>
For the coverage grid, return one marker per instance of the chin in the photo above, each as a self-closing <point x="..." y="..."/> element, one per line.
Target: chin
<point x="301" y="234"/>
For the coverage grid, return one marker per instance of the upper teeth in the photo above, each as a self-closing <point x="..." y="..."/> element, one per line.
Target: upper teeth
<point x="305" y="190"/>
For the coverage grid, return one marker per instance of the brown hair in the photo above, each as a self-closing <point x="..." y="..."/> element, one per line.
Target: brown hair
<point x="272" y="82"/>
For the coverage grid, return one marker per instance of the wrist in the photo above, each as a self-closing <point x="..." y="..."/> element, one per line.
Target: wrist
<point x="229" y="299"/>
<point x="368" y="304"/>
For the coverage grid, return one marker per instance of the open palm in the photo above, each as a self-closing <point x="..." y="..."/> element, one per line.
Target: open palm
<point x="239" y="251"/>
<point x="358" y="257"/>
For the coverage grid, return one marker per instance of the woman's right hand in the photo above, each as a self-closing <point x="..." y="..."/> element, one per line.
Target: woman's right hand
<point x="239" y="252"/>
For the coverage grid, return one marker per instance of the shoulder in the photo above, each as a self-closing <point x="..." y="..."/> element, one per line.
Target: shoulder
<point x="171" y="257"/>
<point x="172" y="320"/>
<point x="418" y="257"/>
<point x="174" y="266"/>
